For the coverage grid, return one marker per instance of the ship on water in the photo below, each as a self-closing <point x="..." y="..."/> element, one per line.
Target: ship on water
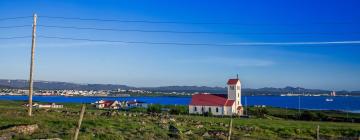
<point x="333" y="93"/>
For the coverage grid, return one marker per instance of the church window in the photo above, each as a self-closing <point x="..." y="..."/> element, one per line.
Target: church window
<point x="217" y="109"/>
<point x="195" y="109"/>
<point x="209" y="109"/>
<point x="232" y="87"/>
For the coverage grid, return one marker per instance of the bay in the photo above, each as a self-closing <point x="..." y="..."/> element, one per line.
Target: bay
<point x="341" y="103"/>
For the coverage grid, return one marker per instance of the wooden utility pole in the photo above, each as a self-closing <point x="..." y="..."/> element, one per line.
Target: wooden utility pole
<point x="230" y="126"/>
<point x="79" y="122"/>
<point x="32" y="65"/>
<point x="318" y="133"/>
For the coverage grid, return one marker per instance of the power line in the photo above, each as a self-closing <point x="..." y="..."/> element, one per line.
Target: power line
<point x="12" y="18"/>
<point x="17" y="26"/>
<point x="15" y="37"/>
<point x="207" y="44"/>
<point x="195" y="32"/>
<point x="182" y="22"/>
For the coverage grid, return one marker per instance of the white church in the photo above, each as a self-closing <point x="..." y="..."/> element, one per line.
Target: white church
<point x="219" y="104"/>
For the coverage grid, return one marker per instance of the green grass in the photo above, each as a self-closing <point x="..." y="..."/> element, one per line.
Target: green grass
<point x="61" y="123"/>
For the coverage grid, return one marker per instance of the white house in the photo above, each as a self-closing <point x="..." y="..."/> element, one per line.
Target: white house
<point x="52" y="105"/>
<point x="132" y="104"/>
<point x="219" y="104"/>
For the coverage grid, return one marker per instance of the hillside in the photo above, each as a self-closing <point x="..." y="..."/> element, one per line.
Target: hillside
<point x="54" y="85"/>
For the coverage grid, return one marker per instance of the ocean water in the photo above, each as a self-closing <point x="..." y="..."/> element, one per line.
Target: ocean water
<point x="342" y="103"/>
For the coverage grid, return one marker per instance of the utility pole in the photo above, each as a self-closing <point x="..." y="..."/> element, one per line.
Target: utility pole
<point x="79" y="122"/>
<point x="318" y="132"/>
<point x="230" y="126"/>
<point x="246" y="110"/>
<point x="32" y="65"/>
<point x="299" y="107"/>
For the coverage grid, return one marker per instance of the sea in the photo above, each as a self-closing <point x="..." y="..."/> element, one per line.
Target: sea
<point x="340" y="103"/>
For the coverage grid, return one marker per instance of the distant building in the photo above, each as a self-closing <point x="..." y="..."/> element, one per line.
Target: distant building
<point x="52" y="105"/>
<point x="132" y="104"/>
<point x="333" y="93"/>
<point x="103" y="104"/>
<point x="219" y="104"/>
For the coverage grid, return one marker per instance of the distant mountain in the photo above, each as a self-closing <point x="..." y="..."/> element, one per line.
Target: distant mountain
<point x="53" y="85"/>
<point x="288" y="89"/>
<point x="186" y="89"/>
<point x="60" y="85"/>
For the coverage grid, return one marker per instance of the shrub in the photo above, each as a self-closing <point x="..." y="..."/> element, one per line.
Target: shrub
<point x="259" y="111"/>
<point x="155" y="108"/>
<point x="138" y="109"/>
<point x="322" y="116"/>
<point x="307" y="115"/>
<point x="208" y="114"/>
<point x="175" y="110"/>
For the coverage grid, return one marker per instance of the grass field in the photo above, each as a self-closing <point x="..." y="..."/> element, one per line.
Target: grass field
<point x="103" y="124"/>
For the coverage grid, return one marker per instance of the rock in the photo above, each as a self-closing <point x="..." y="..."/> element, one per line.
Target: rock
<point x="206" y="134"/>
<point x="24" y="129"/>
<point x="247" y="135"/>
<point x="172" y="119"/>
<point x="188" y="132"/>
<point x="163" y="121"/>
<point x="199" y="126"/>
<point x="113" y="113"/>
<point x="19" y="129"/>
<point x="50" y="139"/>
<point x="173" y="130"/>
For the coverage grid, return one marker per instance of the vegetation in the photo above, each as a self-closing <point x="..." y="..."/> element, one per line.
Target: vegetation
<point x="151" y="124"/>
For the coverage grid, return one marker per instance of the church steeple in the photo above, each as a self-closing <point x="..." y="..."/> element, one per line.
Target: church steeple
<point x="234" y="90"/>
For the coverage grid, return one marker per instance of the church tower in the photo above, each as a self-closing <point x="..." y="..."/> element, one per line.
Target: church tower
<point x="234" y="93"/>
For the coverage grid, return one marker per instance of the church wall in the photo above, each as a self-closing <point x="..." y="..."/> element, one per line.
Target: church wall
<point x="206" y="109"/>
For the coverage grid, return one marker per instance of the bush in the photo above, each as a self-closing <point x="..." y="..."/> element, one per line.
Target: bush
<point x="259" y="111"/>
<point x="156" y="108"/>
<point x="176" y="110"/>
<point x="138" y="109"/>
<point x="208" y="114"/>
<point x="307" y="115"/>
<point x="322" y="116"/>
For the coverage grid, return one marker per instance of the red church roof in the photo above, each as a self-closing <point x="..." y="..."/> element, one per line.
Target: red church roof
<point x="232" y="81"/>
<point x="210" y="100"/>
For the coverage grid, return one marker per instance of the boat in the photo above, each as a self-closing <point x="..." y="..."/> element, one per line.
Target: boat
<point x="329" y="99"/>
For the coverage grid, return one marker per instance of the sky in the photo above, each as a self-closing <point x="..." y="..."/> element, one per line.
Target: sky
<point x="238" y="23"/>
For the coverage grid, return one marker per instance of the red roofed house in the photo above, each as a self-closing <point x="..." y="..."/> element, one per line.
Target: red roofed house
<point x="219" y="104"/>
<point x="102" y="104"/>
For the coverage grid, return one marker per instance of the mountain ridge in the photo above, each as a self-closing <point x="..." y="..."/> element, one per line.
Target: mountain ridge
<point x="56" y="85"/>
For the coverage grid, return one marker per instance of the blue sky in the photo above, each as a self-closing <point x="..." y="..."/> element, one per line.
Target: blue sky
<point x="310" y="66"/>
